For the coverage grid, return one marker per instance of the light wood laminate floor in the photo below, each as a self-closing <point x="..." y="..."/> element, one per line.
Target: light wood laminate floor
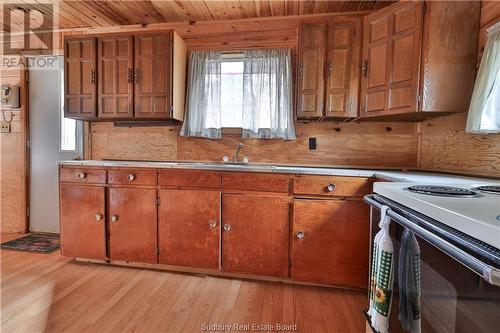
<point x="51" y="293"/>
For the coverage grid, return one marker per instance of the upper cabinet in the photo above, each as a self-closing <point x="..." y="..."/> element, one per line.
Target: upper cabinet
<point x="419" y="59"/>
<point x="80" y="78"/>
<point x="130" y="76"/>
<point x="328" y="68"/>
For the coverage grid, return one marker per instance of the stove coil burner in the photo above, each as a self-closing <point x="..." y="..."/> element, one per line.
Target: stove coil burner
<point x="494" y="189"/>
<point x="443" y="191"/>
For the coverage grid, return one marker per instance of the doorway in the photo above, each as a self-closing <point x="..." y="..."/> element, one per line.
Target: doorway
<point x="52" y="138"/>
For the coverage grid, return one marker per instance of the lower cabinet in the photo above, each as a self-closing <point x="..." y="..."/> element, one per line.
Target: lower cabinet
<point x="189" y="228"/>
<point x="132" y="224"/>
<point x="83" y="227"/>
<point x="330" y="241"/>
<point x="255" y="234"/>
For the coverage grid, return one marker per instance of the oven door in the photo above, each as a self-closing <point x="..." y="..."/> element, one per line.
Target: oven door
<point x="453" y="297"/>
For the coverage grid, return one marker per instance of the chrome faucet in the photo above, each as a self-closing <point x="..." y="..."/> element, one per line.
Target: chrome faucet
<point x="240" y="146"/>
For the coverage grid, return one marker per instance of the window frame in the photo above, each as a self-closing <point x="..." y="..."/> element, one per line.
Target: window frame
<point x="78" y="124"/>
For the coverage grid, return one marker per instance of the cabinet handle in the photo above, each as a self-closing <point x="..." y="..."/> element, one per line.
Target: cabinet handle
<point x="130" y="177"/>
<point x="330" y="69"/>
<point x="137" y="74"/>
<point x="364" y="68"/>
<point x="114" y="218"/>
<point x="82" y="175"/>
<point x="213" y="224"/>
<point x="227" y="227"/>
<point x="330" y="187"/>
<point x="130" y="76"/>
<point x="301" y="70"/>
<point x="98" y="216"/>
<point x="299" y="235"/>
<point x="92" y="76"/>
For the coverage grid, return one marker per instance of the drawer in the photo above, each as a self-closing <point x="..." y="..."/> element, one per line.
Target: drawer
<point x="82" y="175"/>
<point x="332" y="186"/>
<point x="255" y="182"/>
<point x="132" y="177"/>
<point x="190" y="178"/>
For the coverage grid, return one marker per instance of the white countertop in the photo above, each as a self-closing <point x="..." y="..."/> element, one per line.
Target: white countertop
<point x="389" y="175"/>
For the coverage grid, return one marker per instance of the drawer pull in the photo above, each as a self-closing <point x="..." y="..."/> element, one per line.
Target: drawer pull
<point x="300" y="235"/>
<point x="130" y="177"/>
<point x="330" y="187"/>
<point x="82" y="175"/>
<point x="114" y="218"/>
<point x="98" y="217"/>
<point x="227" y="227"/>
<point x="212" y="224"/>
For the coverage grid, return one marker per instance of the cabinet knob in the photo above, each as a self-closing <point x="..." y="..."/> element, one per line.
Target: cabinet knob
<point x="98" y="217"/>
<point x="82" y="175"/>
<point x="330" y="187"/>
<point x="227" y="227"/>
<point x="114" y="218"/>
<point x="299" y="235"/>
<point x="212" y="224"/>
<point x="130" y="177"/>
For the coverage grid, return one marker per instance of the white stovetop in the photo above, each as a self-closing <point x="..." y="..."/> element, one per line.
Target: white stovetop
<point x="478" y="217"/>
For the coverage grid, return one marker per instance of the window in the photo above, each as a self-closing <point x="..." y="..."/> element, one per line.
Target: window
<point x="251" y="90"/>
<point x="232" y="92"/>
<point x="67" y="137"/>
<point x="484" y="115"/>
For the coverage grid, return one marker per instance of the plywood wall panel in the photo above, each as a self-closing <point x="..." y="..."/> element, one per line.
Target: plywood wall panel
<point x="13" y="162"/>
<point x="357" y="144"/>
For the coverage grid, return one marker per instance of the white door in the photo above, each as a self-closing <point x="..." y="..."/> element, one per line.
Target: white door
<point x="52" y="138"/>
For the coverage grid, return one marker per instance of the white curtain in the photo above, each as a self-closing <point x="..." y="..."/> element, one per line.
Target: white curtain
<point x="267" y="95"/>
<point x="202" y="116"/>
<point x="484" y="110"/>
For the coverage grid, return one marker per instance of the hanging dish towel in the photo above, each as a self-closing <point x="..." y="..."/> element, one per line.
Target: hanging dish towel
<point x="382" y="276"/>
<point x="409" y="283"/>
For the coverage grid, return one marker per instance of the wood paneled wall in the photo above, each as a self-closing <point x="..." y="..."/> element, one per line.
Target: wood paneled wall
<point x="13" y="167"/>
<point x="365" y="144"/>
<point x="446" y="147"/>
<point x="392" y="145"/>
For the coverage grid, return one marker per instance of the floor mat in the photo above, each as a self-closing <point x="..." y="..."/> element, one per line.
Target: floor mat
<point x="39" y="243"/>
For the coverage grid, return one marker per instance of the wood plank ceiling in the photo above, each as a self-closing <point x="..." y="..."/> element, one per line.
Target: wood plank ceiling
<point x="101" y="13"/>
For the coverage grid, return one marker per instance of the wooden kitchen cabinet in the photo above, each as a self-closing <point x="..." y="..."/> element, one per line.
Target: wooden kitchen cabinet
<point x="419" y="59"/>
<point x="342" y="68"/>
<point x="330" y="242"/>
<point x="132" y="224"/>
<point x="328" y="69"/>
<point x="255" y="234"/>
<point x="115" y="60"/>
<point x="80" y="78"/>
<point x="310" y="73"/>
<point x="189" y="227"/>
<point x="139" y="76"/>
<point x="82" y="218"/>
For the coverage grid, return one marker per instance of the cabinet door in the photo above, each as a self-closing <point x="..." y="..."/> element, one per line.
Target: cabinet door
<point x="255" y="234"/>
<point x="83" y="229"/>
<point x="330" y="242"/>
<point x="343" y="64"/>
<point x="132" y="224"/>
<point x="115" y="76"/>
<point x="310" y="71"/>
<point x="189" y="228"/>
<point x="391" y="59"/>
<point x="153" y="77"/>
<point x="80" y="89"/>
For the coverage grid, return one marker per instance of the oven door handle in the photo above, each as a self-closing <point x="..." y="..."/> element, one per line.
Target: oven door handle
<point x="486" y="271"/>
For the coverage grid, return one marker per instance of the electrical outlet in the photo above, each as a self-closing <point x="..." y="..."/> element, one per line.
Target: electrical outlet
<point x="312" y="143"/>
<point x="4" y="127"/>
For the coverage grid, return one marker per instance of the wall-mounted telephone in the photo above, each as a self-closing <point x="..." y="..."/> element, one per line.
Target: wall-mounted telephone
<point x="9" y="96"/>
